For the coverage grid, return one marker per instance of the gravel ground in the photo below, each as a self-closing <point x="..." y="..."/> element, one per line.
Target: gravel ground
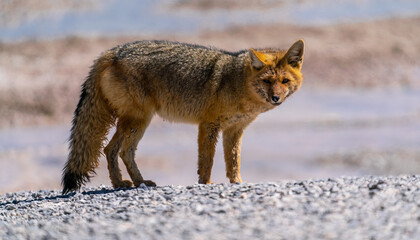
<point x="341" y="208"/>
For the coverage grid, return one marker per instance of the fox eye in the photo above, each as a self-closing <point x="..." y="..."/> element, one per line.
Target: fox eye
<point x="267" y="81"/>
<point x="285" y="81"/>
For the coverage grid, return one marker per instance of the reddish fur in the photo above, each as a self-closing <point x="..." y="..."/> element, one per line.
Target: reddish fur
<point x="219" y="91"/>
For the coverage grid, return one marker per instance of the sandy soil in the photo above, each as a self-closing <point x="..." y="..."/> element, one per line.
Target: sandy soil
<point x="40" y="80"/>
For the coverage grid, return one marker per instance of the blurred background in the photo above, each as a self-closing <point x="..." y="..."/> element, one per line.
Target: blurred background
<point x="357" y="113"/>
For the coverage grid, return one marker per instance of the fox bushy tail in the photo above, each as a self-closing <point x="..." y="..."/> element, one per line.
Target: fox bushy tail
<point x="92" y="119"/>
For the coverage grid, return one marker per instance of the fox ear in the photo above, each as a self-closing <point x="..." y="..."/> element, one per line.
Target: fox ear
<point x="294" y="55"/>
<point x="258" y="59"/>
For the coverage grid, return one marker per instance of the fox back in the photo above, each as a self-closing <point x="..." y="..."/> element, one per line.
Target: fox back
<point x="185" y="82"/>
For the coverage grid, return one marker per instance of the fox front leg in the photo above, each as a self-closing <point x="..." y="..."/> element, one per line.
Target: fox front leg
<point x="232" y="139"/>
<point x="207" y="139"/>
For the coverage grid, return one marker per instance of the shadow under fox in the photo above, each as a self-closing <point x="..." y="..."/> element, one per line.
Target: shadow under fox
<point x="218" y="90"/>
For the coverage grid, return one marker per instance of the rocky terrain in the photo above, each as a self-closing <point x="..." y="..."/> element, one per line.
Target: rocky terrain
<point x="339" y="208"/>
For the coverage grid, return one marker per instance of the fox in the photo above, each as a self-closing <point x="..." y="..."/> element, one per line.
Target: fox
<point x="220" y="91"/>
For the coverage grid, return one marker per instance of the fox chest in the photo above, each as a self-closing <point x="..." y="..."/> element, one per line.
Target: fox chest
<point x="243" y="116"/>
<point x="227" y="121"/>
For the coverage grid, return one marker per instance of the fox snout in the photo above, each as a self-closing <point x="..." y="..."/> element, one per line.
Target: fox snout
<point x="275" y="98"/>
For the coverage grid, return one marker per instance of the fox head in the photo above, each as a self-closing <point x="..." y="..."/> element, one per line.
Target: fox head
<point x="274" y="74"/>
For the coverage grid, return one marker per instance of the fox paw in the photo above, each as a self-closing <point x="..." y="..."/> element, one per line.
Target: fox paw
<point x="123" y="184"/>
<point x="148" y="183"/>
<point x="209" y="182"/>
<point x="202" y="181"/>
<point x="237" y="181"/>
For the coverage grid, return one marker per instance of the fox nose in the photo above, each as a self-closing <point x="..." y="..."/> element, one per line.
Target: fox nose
<point x="275" y="98"/>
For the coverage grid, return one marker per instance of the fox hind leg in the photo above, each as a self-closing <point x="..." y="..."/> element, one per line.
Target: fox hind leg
<point x="133" y="132"/>
<point x="111" y="152"/>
